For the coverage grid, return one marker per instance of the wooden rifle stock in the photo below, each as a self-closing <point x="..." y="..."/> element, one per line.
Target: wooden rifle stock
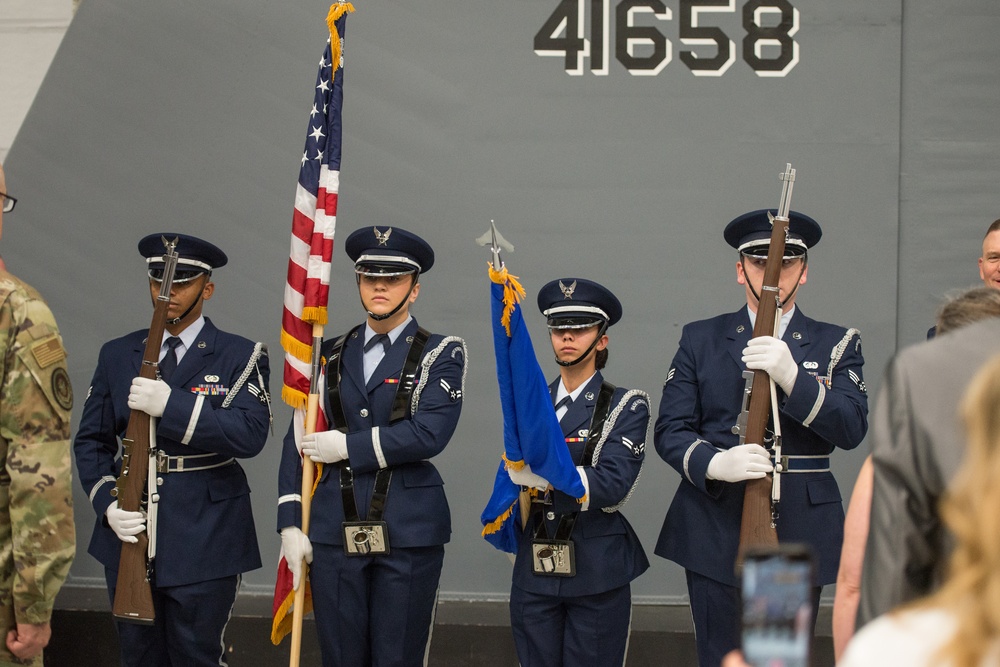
<point x="757" y="527"/>
<point x="133" y="593"/>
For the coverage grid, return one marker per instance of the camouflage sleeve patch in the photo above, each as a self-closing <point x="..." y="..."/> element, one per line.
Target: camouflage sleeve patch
<point x="41" y="353"/>
<point x="36" y="480"/>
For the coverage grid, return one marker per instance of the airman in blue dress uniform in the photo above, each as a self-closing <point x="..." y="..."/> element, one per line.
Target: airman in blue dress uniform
<point x="582" y="616"/>
<point x="211" y="408"/>
<point x="823" y="405"/>
<point x="379" y="518"/>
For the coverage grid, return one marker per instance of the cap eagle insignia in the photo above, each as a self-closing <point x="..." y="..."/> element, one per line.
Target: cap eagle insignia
<point x="382" y="238"/>
<point x="567" y="291"/>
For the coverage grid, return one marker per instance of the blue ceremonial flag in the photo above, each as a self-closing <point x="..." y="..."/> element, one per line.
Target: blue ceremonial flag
<point x="531" y="432"/>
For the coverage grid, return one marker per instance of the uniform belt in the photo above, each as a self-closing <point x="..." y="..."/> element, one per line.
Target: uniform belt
<point x="805" y="463"/>
<point x="190" y="463"/>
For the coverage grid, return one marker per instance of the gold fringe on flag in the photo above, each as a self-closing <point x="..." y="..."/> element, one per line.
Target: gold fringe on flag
<point x="281" y="622"/>
<point x="337" y="10"/>
<point x="494" y="526"/>
<point x="512" y="293"/>
<point x="512" y="465"/>
<point x="295" y="347"/>
<point x="314" y="314"/>
<point x="293" y="397"/>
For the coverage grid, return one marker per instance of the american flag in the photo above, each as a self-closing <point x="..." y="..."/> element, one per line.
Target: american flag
<point x="315" y="217"/>
<point x="308" y="282"/>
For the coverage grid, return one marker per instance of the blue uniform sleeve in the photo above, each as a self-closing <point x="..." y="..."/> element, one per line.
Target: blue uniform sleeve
<point x="836" y="410"/>
<point x="290" y="482"/>
<point x="621" y="456"/>
<point x="676" y="434"/>
<point x="96" y="444"/>
<point x="239" y="430"/>
<point x="426" y="433"/>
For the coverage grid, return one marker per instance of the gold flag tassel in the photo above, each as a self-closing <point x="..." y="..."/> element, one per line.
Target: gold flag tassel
<point x="512" y="293"/>
<point x="337" y="10"/>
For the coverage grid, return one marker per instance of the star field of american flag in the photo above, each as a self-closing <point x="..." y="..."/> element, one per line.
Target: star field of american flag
<point x="313" y="224"/>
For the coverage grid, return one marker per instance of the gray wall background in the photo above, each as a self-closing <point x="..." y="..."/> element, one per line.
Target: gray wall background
<point x="190" y="116"/>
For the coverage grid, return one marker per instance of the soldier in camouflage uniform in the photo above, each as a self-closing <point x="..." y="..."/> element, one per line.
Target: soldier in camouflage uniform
<point x="37" y="538"/>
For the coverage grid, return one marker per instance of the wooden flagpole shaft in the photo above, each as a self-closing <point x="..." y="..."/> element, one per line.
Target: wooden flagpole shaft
<point x="308" y="476"/>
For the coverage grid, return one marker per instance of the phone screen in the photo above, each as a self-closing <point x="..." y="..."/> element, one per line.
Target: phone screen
<point x="777" y="609"/>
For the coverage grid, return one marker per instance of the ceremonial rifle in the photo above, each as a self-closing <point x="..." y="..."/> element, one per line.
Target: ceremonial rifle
<point x="758" y="527"/>
<point x="134" y="594"/>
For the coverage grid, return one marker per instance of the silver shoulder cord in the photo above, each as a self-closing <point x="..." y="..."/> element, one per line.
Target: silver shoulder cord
<point x="259" y="349"/>
<point x="428" y="361"/>
<point x="609" y="424"/>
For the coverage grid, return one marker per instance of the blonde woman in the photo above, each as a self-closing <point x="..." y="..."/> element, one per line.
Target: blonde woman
<point x="958" y="626"/>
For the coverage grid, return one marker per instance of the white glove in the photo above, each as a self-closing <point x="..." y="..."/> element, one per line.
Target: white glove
<point x="296" y="546"/>
<point x="325" y="446"/>
<point x="524" y="477"/>
<point x="149" y="396"/>
<point x="125" y="524"/>
<point x="739" y="463"/>
<point x="770" y="354"/>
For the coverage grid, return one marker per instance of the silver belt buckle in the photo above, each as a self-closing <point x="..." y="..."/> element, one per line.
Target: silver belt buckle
<point x="553" y="558"/>
<point x="162" y="461"/>
<point x="366" y="538"/>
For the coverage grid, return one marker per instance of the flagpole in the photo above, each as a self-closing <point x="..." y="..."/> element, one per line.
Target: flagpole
<point x="306" y="296"/>
<point x="308" y="476"/>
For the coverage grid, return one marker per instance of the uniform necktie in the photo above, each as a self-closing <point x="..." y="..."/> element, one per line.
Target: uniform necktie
<point x="373" y="356"/>
<point x="378" y="338"/>
<point x="564" y="402"/>
<point x="169" y="363"/>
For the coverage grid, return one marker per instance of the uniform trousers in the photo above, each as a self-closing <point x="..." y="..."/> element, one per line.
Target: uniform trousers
<point x="716" y="612"/>
<point x="189" y="627"/>
<point x="584" y="631"/>
<point x="375" y="610"/>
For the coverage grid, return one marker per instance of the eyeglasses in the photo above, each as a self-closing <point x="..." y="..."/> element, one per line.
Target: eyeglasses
<point x="8" y="202"/>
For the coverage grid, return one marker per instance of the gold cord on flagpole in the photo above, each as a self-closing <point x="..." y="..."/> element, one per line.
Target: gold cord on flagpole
<point x="512" y="293"/>
<point x="337" y="10"/>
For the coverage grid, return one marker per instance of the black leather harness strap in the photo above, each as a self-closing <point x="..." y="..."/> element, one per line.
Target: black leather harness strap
<point x="601" y="410"/>
<point x="400" y="408"/>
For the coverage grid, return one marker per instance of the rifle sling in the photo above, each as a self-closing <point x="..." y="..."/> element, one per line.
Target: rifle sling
<point x="601" y="409"/>
<point x="400" y="408"/>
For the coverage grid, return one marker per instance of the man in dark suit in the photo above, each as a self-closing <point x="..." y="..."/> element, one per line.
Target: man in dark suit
<point x="917" y="448"/>
<point x="582" y="616"/>
<point x="379" y="518"/>
<point x="817" y="369"/>
<point x="211" y="407"/>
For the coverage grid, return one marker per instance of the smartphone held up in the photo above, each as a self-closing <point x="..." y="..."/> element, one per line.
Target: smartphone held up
<point x="777" y="610"/>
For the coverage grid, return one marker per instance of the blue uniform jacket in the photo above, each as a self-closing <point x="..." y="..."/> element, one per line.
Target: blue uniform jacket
<point x="205" y="526"/>
<point x="607" y="551"/>
<point x="702" y="396"/>
<point x="416" y="510"/>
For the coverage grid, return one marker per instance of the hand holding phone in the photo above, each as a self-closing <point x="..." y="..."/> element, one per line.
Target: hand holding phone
<point x="777" y="592"/>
